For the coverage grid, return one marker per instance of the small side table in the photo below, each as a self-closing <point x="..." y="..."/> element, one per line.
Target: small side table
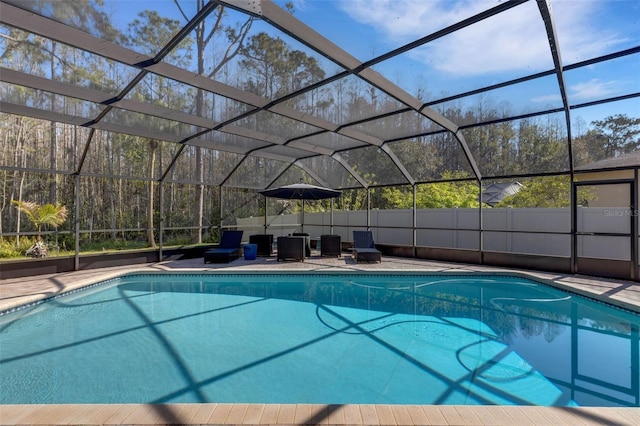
<point x="250" y="251"/>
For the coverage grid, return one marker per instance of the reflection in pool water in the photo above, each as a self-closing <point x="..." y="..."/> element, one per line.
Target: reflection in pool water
<point x="315" y="338"/>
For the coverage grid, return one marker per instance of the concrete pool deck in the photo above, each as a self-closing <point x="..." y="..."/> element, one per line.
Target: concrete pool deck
<point x="18" y="292"/>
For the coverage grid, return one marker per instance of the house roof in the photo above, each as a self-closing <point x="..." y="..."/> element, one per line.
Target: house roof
<point x="631" y="159"/>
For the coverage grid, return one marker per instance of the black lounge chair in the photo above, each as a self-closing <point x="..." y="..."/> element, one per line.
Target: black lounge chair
<point x="330" y="245"/>
<point x="228" y="249"/>
<point x="291" y="248"/>
<point x="364" y="248"/>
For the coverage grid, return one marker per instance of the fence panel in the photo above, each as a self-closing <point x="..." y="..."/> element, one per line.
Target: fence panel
<point x="536" y="231"/>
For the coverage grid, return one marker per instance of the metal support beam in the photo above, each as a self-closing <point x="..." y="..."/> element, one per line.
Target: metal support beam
<point x="480" y="224"/>
<point x="76" y="224"/>
<point x="415" y="219"/>
<point x="574" y="223"/>
<point x="547" y="16"/>
<point x="349" y="169"/>
<point x="160" y="220"/>
<point x="368" y="209"/>
<point x="634" y="227"/>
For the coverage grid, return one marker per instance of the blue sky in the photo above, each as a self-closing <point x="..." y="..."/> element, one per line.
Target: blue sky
<point x="586" y="28"/>
<point x="510" y="45"/>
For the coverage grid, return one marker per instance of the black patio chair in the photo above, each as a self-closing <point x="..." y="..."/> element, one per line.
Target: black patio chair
<point x="330" y="245"/>
<point x="264" y="243"/>
<point x="291" y="248"/>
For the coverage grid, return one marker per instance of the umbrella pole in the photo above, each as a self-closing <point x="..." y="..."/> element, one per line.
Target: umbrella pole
<point x="331" y="219"/>
<point x="265" y="215"/>
<point x="302" y="221"/>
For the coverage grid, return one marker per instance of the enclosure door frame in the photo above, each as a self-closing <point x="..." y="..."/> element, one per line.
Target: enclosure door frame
<point x="607" y="267"/>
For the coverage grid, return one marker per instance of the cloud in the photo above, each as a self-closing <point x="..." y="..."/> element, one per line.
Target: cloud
<point x="408" y="19"/>
<point x="585" y="29"/>
<point x="546" y="99"/>
<point x="514" y="40"/>
<point x="510" y="41"/>
<point x="593" y="89"/>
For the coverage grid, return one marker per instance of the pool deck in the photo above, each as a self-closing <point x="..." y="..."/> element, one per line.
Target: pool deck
<point x="18" y="292"/>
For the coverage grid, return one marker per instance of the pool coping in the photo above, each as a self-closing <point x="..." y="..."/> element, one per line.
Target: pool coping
<point x="30" y="300"/>
<point x="614" y="292"/>
<point x="300" y="414"/>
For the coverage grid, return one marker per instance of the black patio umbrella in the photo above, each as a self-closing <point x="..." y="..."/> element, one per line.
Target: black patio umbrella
<point x="302" y="191"/>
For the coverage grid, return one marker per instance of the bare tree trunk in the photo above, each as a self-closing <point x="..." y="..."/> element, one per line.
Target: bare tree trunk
<point x="112" y="206"/>
<point x="53" y="136"/>
<point x="153" y="147"/>
<point x="20" y="159"/>
<point x="199" y="197"/>
<point x="18" y="217"/>
<point x="92" y="210"/>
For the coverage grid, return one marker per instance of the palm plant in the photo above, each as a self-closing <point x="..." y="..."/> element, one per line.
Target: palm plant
<point x="41" y="215"/>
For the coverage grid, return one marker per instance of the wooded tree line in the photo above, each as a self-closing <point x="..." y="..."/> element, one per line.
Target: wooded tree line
<point x="118" y="187"/>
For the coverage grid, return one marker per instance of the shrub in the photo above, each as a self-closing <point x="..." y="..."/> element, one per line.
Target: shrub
<point x="8" y="248"/>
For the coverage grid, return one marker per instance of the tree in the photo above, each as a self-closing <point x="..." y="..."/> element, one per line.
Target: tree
<point x="545" y="192"/>
<point x="59" y="61"/>
<point x="151" y="239"/>
<point x="41" y="215"/>
<point x="227" y="41"/>
<point x="612" y="137"/>
<point x="276" y="69"/>
<point x="540" y="148"/>
<point x="463" y="194"/>
<point x="151" y="32"/>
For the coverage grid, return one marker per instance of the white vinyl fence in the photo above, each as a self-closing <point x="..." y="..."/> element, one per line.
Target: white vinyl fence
<point x="540" y="231"/>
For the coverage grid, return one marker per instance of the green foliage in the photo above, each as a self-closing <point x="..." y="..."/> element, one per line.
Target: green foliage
<point x="543" y="191"/>
<point x="354" y="199"/>
<point x="42" y="215"/>
<point x="395" y="198"/>
<point x="463" y="194"/>
<point x="619" y="134"/>
<point x="184" y="240"/>
<point x="611" y="137"/>
<point x="108" y="245"/>
<point x="9" y="249"/>
<point x="273" y="69"/>
<point x="277" y="69"/>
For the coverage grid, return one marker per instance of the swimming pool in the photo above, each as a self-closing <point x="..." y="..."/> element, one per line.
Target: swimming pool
<point x="321" y="338"/>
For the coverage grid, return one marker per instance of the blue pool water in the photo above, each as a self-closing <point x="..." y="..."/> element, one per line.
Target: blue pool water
<point x="314" y="338"/>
